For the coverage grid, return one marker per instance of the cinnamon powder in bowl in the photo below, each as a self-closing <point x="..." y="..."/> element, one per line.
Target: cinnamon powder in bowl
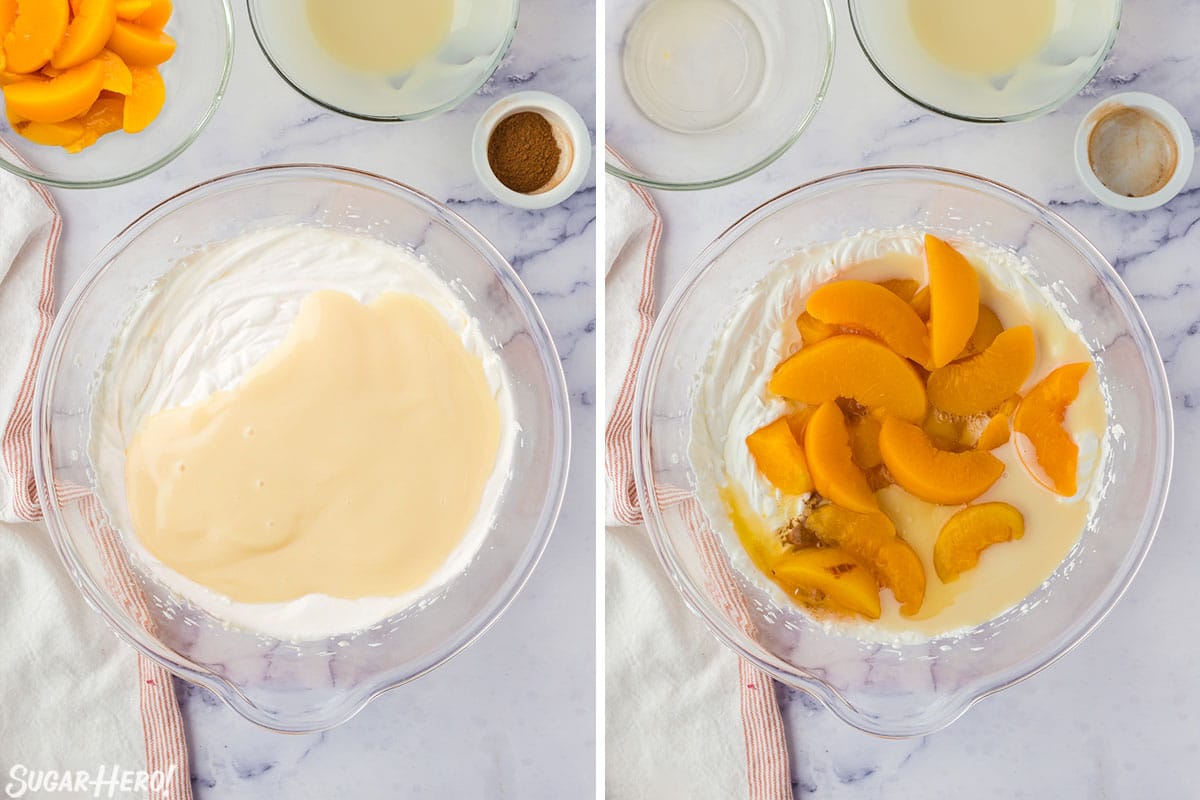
<point x="531" y="150"/>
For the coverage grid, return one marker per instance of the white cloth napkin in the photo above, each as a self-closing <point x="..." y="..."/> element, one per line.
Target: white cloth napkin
<point x="73" y="698"/>
<point x="684" y="717"/>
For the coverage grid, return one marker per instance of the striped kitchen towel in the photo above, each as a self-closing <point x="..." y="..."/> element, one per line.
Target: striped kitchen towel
<point x="684" y="717"/>
<point x="75" y="699"/>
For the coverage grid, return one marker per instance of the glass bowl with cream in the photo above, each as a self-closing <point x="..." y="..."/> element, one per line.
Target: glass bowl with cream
<point x="987" y="60"/>
<point x="382" y="60"/>
<point x="702" y="390"/>
<point x="284" y="441"/>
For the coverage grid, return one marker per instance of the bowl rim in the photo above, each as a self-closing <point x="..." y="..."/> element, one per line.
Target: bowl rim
<point x="619" y="168"/>
<point x="696" y="598"/>
<point x="441" y="108"/>
<point x="1045" y="108"/>
<point x="19" y="167"/>
<point x="96" y="597"/>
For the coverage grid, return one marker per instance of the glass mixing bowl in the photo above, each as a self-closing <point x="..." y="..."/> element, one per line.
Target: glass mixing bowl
<point x="910" y="690"/>
<point x="480" y="34"/>
<point x="1082" y="33"/>
<point x="301" y="686"/>
<point x="701" y="93"/>
<point x="195" y="78"/>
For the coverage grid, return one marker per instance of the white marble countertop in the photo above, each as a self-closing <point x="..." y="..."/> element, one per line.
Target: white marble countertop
<point x="1119" y="716"/>
<point x="514" y="715"/>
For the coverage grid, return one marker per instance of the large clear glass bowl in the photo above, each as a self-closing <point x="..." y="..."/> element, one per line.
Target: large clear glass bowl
<point x="302" y="686"/>
<point x="195" y="78"/>
<point x="910" y="690"/>
<point x="782" y="54"/>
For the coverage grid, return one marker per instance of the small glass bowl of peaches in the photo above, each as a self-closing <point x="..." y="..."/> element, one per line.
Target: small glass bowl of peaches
<point x="97" y="93"/>
<point x="902" y="439"/>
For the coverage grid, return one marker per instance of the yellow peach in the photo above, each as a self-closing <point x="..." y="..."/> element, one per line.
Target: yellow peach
<point x="994" y="434"/>
<point x="1040" y="418"/>
<point x="854" y="367"/>
<point x="156" y="16"/>
<point x="105" y="116"/>
<point x="864" y="441"/>
<point x="904" y="288"/>
<point x="831" y="463"/>
<point x="86" y="35"/>
<point x="872" y="540"/>
<point x="953" y="300"/>
<point x="48" y="133"/>
<point x="932" y="474"/>
<point x="971" y="531"/>
<point x="138" y="46"/>
<point x="874" y="310"/>
<point x="986" y="330"/>
<point x="117" y="77"/>
<point x="829" y="577"/>
<point x="35" y="34"/>
<point x="978" y="384"/>
<point x="780" y="458"/>
<point x="812" y="330"/>
<point x="58" y="99"/>
<point x="145" y="99"/>
<point x="130" y="9"/>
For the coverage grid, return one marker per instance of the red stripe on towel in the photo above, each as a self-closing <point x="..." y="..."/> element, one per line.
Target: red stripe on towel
<point x="767" y="770"/>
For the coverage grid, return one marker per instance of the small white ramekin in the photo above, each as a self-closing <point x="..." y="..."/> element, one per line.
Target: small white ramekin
<point x="1165" y="113"/>
<point x="560" y="115"/>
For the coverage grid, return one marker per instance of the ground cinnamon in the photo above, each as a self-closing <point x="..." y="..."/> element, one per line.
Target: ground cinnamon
<point x="523" y="153"/>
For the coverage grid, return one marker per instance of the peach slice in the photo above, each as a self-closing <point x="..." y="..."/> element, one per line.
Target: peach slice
<point x="953" y="300"/>
<point x="812" y="330"/>
<point x="994" y="434"/>
<point x="871" y="538"/>
<point x="932" y="474"/>
<point x="7" y="77"/>
<point x="57" y="134"/>
<point x="986" y="330"/>
<point x="131" y="9"/>
<point x="780" y="458"/>
<point x="873" y="310"/>
<point x="1040" y="417"/>
<point x="145" y="99"/>
<point x="157" y="15"/>
<point x="35" y="34"/>
<point x="117" y="77"/>
<point x="87" y="33"/>
<point x="138" y="46"/>
<point x="105" y="116"/>
<point x="855" y="367"/>
<point x="864" y="442"/>
<point x="971" y="531"/>
<point x="831" y="463"/>
<point x="8" y="14"/>
<point x="904" y="288"/>
<point x="978" y="384"/>
<point x="829" y="575"/>
<point x="798" y="421"/>
<point x="58" y="99"/>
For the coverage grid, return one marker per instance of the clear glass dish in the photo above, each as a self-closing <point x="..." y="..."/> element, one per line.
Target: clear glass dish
<point x="195" y="78"/>
<point x="702" y="93"/>
<point x="302" y="686"/>
<point x="910" y="690"/>
<point x="1083" y="33"/>
<point x="478" y="41"/>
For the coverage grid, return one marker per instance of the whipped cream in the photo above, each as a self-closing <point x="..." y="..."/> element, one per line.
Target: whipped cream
<point x="731" y="401"/>
<point x="215" y="315"/>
